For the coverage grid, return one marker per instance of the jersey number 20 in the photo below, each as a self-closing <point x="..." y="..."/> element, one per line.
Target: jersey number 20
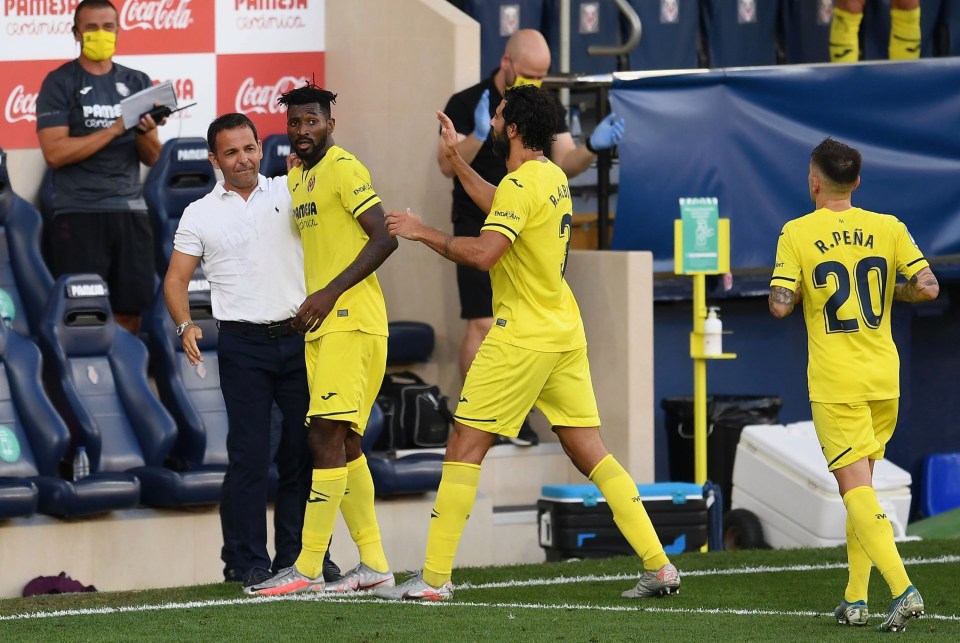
<point x="864" y="269"/>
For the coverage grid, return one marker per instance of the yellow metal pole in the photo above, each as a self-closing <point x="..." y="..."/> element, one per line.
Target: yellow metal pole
<point x="699" y="382"/>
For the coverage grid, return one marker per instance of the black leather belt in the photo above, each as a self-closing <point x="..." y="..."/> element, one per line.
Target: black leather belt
<point x="270" y="331"/>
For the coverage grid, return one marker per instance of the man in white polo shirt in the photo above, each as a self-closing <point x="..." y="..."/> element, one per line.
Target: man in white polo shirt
<point x="243" y="236"/>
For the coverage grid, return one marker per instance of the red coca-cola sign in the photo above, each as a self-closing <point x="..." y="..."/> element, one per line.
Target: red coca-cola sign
<point x="251" y="85"/>
<point x="19" y="87"/>
<point x="152" y="26"/>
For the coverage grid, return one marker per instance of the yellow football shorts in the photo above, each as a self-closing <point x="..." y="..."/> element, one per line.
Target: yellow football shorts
<point x="345" y="371"/>
<point x="849" y="432"/>
<point x="505" y="382"/>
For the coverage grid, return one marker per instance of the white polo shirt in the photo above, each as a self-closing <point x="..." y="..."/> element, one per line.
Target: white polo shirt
<point x="250" y="251"/>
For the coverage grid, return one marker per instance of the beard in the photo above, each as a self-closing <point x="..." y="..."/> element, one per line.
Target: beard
<point x="500" y="144"/>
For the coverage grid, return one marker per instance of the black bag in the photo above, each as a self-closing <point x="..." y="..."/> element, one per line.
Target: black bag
<point x="415" y="413"/>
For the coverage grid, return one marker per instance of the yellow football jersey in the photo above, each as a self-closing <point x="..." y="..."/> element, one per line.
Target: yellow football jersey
<point x="327" y="199"/>
<point x="533" y="307"/>
<point x="846" y="264"/>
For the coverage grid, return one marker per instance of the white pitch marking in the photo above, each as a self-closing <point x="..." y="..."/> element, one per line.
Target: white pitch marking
<point x="333" y="598"/>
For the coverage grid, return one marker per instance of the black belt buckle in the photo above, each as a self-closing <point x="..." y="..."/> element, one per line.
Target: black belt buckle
<point x="279" y="329"/>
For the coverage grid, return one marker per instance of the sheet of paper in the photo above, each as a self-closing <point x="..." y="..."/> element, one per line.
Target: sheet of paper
<point x="135" y="106"/>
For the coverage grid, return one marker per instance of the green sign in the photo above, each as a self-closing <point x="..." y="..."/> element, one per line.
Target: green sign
<point x="8" y="311"/>
<point x="9" y="445"/>
<point x="700" y="249"/>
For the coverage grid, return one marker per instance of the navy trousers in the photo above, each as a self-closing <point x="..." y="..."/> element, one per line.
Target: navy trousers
<point x="257" y="372"/>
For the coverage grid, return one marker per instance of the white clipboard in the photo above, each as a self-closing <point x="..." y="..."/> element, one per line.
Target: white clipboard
<point x="132" y="108"/>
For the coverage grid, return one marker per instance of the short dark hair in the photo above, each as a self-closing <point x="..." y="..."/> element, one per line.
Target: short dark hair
<point x="91" y="4"/>
<point x="534" y="112"/>
<point x="232" y="120"/>
<point x="840" y="163"/>
<point x="308" y="94"/>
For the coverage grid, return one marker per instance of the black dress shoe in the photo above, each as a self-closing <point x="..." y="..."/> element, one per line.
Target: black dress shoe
<point x="331" y="571"/>
<point x="256" y="576"/>
<point x="232" y="575"/>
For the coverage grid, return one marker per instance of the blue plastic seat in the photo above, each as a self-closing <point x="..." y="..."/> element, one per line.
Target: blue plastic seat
<point x="276" y="149"/>
<point x="99" y="371"/>
<point x="396" y="476"/>
<point x="191" y="393"/>
<point x="409" y="342"/>
<point x="25" y="281"/>
<point x="669" y="36"/>
<point x="500" y="20"/>
<point x="180" y="176"/>
<point x="805" y="25"/>
<point x="34" y="441"/>
<point x="741" y="34"/>
<point x="941" y="483"/>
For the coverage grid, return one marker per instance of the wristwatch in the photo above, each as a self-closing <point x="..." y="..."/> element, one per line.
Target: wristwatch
<point x="182" y="327"/>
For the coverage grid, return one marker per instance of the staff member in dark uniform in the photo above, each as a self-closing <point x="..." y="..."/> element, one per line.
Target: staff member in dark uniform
<point x="100" y="219"/>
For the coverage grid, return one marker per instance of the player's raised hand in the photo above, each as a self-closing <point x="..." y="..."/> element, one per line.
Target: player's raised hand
<point x="406" y="224"/>
<point x="448" y="135"/>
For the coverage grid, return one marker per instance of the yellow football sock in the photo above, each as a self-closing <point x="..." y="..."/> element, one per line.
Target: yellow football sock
<point x="361" y="519"/>
<point x="904" y="34"/>
<point x="620" y="492"/>
<point x="859" y="566"/>
<point x="326" y="493"/>
<point x="876" y="536"/>
<point x="455" y="498"/>
<point x="845" y="36"/>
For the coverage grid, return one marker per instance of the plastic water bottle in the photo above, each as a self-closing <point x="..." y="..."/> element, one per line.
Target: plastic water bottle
<point x="575" y="130"/>
<point x="81" y="464"/>
<point x="712" y="333"/>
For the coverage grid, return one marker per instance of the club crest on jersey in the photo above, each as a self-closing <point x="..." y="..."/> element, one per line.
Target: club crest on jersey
<point x="312" y="182"/>
<point x="122" y="89"/>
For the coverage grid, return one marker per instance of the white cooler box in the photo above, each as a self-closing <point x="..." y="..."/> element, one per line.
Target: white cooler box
<point x="781" y="476"/>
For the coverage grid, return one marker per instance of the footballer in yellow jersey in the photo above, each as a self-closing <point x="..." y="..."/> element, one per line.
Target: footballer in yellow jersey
<point x="846" y="263"/>
<point x="533" y="307"/>
<point x="344" y="241"/>
<point x="842" y="263"/>
<point x="327" y="198"/>
<point x="535" y="352"/>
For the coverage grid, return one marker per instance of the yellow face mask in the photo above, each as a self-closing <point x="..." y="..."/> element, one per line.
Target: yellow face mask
<point x="523" y="80"/>
<point x="99" y="45"/>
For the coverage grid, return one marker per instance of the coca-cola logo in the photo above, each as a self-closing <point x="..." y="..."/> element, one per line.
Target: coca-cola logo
<point x="156" y="14"/>
<point x="262" y="99"/>
<point x="21" y="106"/>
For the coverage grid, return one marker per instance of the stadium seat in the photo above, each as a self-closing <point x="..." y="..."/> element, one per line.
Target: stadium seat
<point x="25" y="281"/>
<point x="500" y="20"/>
<point x="180" y="176"/>
<point x="669" y="36"/>
<point x="592" y="22"/>
<point x="941" y="483"/>
<point x="99" y="373"/>
<point x="398" y="475"/>
<point x="741" y="34"/>
<point x="409" y="342"/>
<point x="276" y="149"/>
<point x="191" y="393"/>
<point x="33" y="442"/>
<point x="805" y="25"/>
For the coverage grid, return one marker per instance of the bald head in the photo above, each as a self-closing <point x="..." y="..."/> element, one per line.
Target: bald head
<point x="526" y="55"/>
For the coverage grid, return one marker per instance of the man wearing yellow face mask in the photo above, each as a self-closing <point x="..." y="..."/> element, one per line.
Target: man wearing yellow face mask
<point x="100" y="222"/>
<point x="525" y="60"/>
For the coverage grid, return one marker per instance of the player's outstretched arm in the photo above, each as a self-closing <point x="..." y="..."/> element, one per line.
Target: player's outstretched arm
<point x="923" y="286"/>
<point x="476" y="252"/>
<point x="476" y="186"/>
<point x="782" y="301"/>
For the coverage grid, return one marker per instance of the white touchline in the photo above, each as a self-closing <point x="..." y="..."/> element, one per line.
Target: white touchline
<point x="561" y="580"/>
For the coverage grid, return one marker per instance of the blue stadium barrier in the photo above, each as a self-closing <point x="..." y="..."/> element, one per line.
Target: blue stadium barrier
<point x="740" y="34"/>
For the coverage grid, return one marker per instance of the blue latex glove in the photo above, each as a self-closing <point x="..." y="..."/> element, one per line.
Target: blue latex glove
<point x="481" y="116"/>
<point x="608" y="133"/>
